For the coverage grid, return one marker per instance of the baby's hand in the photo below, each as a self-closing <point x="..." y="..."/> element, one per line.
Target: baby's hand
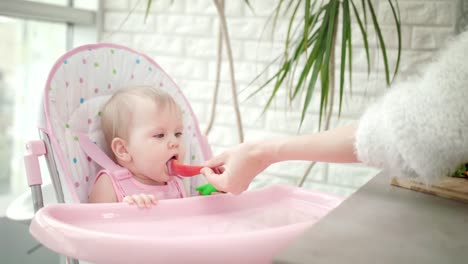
<point x="141" y="200"/>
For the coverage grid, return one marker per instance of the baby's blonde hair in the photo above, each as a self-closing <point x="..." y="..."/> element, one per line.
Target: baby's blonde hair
<point x="117" y="112"/>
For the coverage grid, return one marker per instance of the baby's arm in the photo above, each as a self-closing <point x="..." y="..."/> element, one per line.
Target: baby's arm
<point x="103" y="191"/>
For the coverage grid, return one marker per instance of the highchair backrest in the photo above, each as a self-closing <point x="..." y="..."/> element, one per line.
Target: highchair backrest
<point x="79" y="84"/>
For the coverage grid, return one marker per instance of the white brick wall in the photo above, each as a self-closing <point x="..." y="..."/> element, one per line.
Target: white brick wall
<point x="182" y="37"/>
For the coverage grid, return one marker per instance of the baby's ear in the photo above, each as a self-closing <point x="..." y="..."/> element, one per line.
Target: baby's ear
<point x="120" y="150"/>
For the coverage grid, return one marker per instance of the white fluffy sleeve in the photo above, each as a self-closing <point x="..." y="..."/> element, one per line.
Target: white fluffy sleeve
<point x="421" y="127"/>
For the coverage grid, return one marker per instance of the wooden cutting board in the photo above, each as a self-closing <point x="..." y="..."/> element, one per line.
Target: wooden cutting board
<point x="449" y="187"/>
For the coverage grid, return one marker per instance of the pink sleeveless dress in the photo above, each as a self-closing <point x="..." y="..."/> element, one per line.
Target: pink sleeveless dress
<point x="124" y="184"/>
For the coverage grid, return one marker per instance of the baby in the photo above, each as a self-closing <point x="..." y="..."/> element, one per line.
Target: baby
<point x="143" y="127"/>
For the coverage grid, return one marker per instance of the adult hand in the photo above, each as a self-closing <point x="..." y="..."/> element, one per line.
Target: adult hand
<point x="235" y="168"/>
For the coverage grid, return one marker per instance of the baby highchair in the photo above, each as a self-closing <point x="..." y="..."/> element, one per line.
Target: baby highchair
<point x="247" y="228"/>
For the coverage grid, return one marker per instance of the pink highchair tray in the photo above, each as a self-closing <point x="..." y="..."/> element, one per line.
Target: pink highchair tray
<point x="248" y="228"/>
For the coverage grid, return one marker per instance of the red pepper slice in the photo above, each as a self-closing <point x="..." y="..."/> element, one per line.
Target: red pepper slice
<point x="175" y="168"/>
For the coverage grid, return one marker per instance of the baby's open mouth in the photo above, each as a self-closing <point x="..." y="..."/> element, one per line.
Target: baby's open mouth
<point x="170" y="171"/>
<point x="176" y="157"/>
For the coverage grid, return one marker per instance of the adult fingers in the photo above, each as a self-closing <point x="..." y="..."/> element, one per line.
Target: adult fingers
<point x="215" y="161"/>
<point x="219" y="170"/>
<point x="217" y="180"/>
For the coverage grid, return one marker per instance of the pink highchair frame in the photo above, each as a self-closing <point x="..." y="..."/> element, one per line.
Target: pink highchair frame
<point x="43" y="147"/>
<point x="52" y="222"/>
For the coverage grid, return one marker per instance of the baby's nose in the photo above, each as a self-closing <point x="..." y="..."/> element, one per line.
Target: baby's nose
<point x="173" y="144"/>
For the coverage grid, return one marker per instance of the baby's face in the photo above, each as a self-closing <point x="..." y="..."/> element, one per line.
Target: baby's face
<point x="155" y="137"/>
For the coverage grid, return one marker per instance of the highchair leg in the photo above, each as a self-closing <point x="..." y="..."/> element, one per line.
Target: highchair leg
<point x="34" y="149"/>
<point x="54" y="175"/>
<point x="72" y="261"/>
<point x="38" y="201"/>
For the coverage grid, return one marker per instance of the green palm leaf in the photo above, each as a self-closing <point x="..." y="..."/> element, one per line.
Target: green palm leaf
<point x="315" y="44"/>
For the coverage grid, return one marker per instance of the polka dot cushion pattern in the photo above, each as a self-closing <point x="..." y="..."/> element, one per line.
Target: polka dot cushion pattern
<point x="79" y="84"/>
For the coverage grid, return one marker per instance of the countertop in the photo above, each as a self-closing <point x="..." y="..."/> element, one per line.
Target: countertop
<point x="381" y="223"/>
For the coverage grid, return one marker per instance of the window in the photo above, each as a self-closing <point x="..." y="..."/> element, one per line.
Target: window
<point x="34" y="35"/>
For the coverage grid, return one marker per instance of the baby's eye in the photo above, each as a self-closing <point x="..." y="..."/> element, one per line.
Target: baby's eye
<point x="178" y="134"/>
<point x="159" y="136"/>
